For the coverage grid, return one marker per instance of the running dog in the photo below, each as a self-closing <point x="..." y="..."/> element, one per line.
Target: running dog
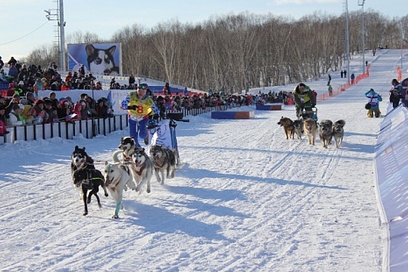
<point x="118" y="177"/>
<point x="89" y="179"/>
<point x="288" y="127"/>
<point x="127" y="147"/>
<point x="310" y="129"/>
<point x="80" y="159"/>
<point x="164" y="161"/>
<point x="142" y="169"/>
<point x="338" y="132"/>
<point x="101" y="61"/>
<point x="325" y="132"/>
<point x="298" y="124"/>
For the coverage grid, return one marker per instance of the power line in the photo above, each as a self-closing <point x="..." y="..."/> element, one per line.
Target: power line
<point x="24" y="35"/>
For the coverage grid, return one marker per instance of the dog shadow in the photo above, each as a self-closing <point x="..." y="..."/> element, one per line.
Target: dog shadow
<point x="153" y="220"/>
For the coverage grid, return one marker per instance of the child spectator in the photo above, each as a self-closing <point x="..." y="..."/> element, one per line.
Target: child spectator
<point x="28" y="117"/>
<point x="78" y="108"/>
<point x="38" y="112"/>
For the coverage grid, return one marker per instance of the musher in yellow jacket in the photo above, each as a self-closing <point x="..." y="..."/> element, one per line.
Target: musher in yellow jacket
<point x="305" y="99"/>
<point x="140" y="107"/>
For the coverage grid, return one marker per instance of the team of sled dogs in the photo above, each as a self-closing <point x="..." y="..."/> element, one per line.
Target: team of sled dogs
<point x="131" y="168"/>
<point x="326" y="129"/>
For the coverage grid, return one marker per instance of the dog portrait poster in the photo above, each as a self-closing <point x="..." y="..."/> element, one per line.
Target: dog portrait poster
<point x="97" y="58"/>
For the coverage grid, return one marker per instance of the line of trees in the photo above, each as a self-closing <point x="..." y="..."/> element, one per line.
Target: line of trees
<point x="237" y="52"/>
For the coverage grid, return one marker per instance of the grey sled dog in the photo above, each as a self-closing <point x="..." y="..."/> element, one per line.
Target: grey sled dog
<point x="164" y="162"/>
<point x="338" y="132"/>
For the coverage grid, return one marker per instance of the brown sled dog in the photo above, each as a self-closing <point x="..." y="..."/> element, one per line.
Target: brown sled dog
<point x="288" y="127"/>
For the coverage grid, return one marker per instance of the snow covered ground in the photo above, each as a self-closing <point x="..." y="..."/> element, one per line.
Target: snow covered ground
<point x="246" y="199"/>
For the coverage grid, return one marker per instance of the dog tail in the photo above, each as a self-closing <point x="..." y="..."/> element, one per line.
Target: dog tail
<point x="115" y="155"/>
<point x="340" y="122"/>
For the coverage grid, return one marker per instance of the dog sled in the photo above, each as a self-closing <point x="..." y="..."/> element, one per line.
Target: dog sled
<point x="309" y="113"/>
<point x="163" y="132"/>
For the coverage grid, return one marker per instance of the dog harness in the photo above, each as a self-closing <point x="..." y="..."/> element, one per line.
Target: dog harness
<point x="87" y="183"/>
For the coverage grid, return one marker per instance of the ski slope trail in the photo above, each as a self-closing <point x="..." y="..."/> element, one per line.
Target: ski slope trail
<point x="246" y="199"/>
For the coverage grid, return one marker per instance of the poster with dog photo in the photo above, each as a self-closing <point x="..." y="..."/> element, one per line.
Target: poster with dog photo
<point x="96" y="58"/>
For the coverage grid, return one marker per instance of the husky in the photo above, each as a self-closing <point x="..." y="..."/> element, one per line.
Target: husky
<point x="127" y="148"/>
<point x="101" y="61"/>
<point x="142" y="169"/>
<point x="298" y="124"/>
<point x="164" y="160"/>
<point x="118" y="177"/>
<point x="89" y="179"/>
<point x="338" y="132"/>
<point x="325" y="132"/>
<point x="310" y="129"/>
<point x="288" y="127"/>
<point x="80" y="159"/>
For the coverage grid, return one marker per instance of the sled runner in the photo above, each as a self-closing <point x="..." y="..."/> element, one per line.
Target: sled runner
<point x="309" y="113"/>
<point x="164" y="133"/>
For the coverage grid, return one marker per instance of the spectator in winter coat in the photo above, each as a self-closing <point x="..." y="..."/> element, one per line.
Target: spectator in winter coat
<point x="51" y="112"/>
<point x="396" y="93"/>
<point x="305" y="99"/>
<point x="3" y="120"/>
<point x="166" y="89"/>
<point x="16" y="117"/>
<point x="374" y="100"/>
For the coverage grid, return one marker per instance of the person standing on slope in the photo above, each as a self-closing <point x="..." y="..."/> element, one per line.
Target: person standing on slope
<point x="395" y="93"/>
<point x="305" y="99"/>
<point x="374" y="101"/>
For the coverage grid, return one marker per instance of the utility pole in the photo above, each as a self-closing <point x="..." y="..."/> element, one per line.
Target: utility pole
<point x="361" y="4"/>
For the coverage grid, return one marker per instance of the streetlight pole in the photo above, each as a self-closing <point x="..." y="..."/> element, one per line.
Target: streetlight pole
<point x="62" y="35"/>
<point x="347" y="43"/>
<point x="361" y="3"/>
<point x="58" y="15"/>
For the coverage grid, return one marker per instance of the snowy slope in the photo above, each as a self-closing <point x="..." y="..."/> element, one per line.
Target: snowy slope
<point x="247" y="199"/>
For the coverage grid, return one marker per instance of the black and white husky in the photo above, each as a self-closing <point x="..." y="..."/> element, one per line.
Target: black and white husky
<point x="127" y="148"/>
<point x="164" y="162"/>
<point x="118" y="177"/>
<point x="101" y="61"/>
<point x="80" y="159"/>
<point x="89" y="179"/>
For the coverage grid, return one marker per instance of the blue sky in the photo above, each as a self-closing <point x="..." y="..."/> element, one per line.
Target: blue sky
<point x="24" y="26"/>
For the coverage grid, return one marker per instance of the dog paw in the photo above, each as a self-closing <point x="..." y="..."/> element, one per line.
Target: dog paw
<point x="85" y="213"/>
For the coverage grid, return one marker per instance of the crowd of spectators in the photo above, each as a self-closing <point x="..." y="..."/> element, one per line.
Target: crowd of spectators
<point x="27" y="110"/>
<point x="22" y="78"/>
<point x="25" y="82"/>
